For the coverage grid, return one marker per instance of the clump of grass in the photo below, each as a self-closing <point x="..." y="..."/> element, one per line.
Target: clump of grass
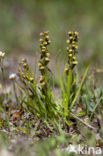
<point x="36" y="93"/>
<point x="38" y="97"/>
<point x="46" y="113"/>
<point x="70" y="94"/>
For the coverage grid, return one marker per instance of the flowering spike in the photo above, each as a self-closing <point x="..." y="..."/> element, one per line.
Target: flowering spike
<point x="72" y="49"/>
<point x="44" y="58"/>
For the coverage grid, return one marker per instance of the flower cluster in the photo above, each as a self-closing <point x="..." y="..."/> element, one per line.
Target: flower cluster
<point x="24" y="72"/>
<point x="72" y="50"/>
<point x="25" y="64"/>
<point x="44" y="58"/>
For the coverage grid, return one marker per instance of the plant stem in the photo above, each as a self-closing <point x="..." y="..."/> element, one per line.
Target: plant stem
<point x="2" y="70"/>
<point x="69" y="79"/>
<point x="15" y="92"/>
<point x="3" y="78"/>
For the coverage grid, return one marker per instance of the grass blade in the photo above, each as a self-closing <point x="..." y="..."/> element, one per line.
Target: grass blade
<point x="80" y="86"/>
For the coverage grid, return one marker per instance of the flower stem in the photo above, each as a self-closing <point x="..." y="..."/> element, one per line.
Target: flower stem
<point x="14" y="88"/>
<point x="69" y="80"/>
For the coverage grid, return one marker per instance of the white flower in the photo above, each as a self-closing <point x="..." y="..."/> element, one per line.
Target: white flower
<point x="2" y="54"/>
<point x="12" y="76"/>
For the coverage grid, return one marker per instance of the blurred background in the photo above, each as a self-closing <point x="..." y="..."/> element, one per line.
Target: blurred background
<point x="21" y="21"/>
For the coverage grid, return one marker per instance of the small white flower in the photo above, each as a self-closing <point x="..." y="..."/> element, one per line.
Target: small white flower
<point x="12" y="76"/>
<point x="2" y="54"/>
